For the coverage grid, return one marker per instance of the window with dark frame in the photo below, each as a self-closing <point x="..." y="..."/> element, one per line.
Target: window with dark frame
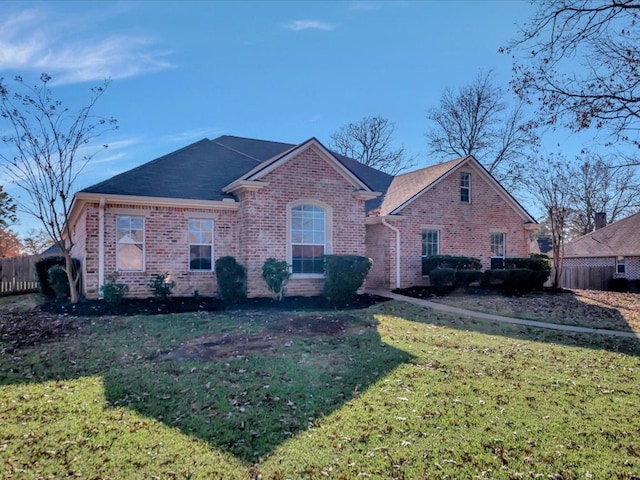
<point x="465" y="187"/>
<point x="620" y="265"/>
<point x="200" y="244"/>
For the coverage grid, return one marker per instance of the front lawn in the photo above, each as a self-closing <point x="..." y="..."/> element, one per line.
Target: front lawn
<point x="393" y="391"/>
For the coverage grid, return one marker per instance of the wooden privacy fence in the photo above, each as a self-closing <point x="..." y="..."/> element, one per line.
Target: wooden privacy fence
<point x="587" y="278"/>
<point x="18" y="275"/>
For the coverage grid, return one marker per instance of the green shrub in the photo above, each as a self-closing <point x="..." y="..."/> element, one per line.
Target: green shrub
<point x="161" y="286"/>
<point x="58" y="280"/>
<point x="276" y="273"/>
<point x="344" y="275"/>
<point x="442" y="279"/>
<point x="532" y="263"/>
<point x="232" y="280"/>
<point x="467" y="277"/>
<point x="112" y="291"/>
<point x="449" y="261"/>
<point x="543" y="258"/>
<point x="495" y="277"/>
<point x="42" y="271"/>
<point x="519" y="280"/>
<point x="539" y="278"/>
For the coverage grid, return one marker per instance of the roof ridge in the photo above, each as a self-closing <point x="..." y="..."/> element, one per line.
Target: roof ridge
<point x="455" y="161"/>
<point x="615" y="223"/>
<point x="237" y="151"/>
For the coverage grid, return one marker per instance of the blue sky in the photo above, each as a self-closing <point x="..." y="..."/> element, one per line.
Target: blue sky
<point x="283" y="71"/>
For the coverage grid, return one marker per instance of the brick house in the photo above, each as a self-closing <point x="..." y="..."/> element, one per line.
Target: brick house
<point x="255" y="199"/>
<point x="614" y="248"/>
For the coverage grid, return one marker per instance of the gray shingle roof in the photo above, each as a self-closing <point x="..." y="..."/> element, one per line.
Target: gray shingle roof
<point x="621" y="238"/>
<point x="199" y="171"/>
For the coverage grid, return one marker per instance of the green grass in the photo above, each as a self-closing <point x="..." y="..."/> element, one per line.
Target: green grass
<point x="411" y="394"/>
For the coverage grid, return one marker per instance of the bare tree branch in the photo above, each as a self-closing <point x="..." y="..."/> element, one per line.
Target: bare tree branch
<point x="578" y="62"/>
<point x="370" y="141"/>
<point x="477" y="121"/>
<point x="45" y="139"/>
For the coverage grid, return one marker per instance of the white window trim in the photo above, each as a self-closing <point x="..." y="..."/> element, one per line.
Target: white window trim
<point x="328" y="233"/>
<point x="620" y="261"/>
<point x="461" y="187"/>
<point x="504" y="244"/>
<point x="144" y="242"/>
<point x="437" y="230"/>
<point x="189" y="245"/>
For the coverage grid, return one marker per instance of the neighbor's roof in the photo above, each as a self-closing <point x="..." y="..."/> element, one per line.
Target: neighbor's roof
<point x="200" y="171"/>
<point x="621" y="238"/>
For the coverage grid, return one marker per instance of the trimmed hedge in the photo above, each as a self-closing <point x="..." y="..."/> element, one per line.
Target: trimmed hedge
<point x="442" y="278"/>
<point x="467" y="277"/>
<point x="495" y="277"/>
<point x="232" y="280"/>
<point x="449" y="261"/>
<point x="344" y="275"/>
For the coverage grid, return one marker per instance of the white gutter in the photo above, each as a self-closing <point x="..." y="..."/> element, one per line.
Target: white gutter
<point x="101" y="246"/>
<point x="386" y="224"/>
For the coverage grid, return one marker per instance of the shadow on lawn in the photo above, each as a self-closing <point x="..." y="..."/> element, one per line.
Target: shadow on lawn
<point x="590" y="316"/>
<point x="246" y="401"/>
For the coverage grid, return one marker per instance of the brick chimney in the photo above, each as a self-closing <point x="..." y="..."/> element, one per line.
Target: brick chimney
<point x="600" y="220"/>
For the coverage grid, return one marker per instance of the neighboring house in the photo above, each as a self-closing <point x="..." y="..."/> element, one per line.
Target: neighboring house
<point x="255" y="199"/>
<point x="614" y="247"/>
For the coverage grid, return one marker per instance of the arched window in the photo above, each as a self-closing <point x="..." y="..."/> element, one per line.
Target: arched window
<point x="308" y="234"/>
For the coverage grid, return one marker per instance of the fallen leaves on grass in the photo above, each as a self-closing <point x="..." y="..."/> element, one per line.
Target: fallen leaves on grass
<point x="30" y="328"/>
<point x="587" y="308"/>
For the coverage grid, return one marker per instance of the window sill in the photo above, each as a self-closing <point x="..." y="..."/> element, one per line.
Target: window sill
<point x="307" y="276"/>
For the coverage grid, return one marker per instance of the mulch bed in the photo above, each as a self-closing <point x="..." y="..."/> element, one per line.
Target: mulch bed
<point x="151" y="306"/>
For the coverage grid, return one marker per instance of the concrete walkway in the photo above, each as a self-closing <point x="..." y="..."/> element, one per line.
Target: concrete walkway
<point x="498" y="318"/>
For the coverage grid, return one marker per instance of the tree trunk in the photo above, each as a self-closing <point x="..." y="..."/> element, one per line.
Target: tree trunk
<point x="74" y="277"/>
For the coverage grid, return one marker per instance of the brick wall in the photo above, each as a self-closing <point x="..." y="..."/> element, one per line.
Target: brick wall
<point x="378" y="249"/>
<point x="262" y="218"/>
<point x="166" y="247"/>
<point x="465" y="227"/>
<point x="257" y="231"/>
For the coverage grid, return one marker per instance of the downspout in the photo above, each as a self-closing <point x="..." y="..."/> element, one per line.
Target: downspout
<point x="388" y="225"/>
<point x="100" y="246"/>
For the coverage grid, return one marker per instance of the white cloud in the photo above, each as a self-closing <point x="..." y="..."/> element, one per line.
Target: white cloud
<point x="31" y="41"/>
<point x="298" y="25"/>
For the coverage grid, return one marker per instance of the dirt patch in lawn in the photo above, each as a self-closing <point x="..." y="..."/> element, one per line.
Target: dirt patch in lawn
<point x="279" y="331"/>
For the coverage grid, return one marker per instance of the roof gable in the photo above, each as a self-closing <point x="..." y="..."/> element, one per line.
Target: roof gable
<point x="259" y="171"/>
<point x="407" y="188"/>
<point x="616" y="239"/>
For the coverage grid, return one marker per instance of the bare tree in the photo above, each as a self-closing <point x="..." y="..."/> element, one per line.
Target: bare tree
<point x="46" y="153"/>
<point x="36" y="241"/>
<point x="601" y="187"/>
<point x="577" y="60"/>
<point x="476" y="120"/>
<point x="551" y="184"/>
<point x="370" y="141"/>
